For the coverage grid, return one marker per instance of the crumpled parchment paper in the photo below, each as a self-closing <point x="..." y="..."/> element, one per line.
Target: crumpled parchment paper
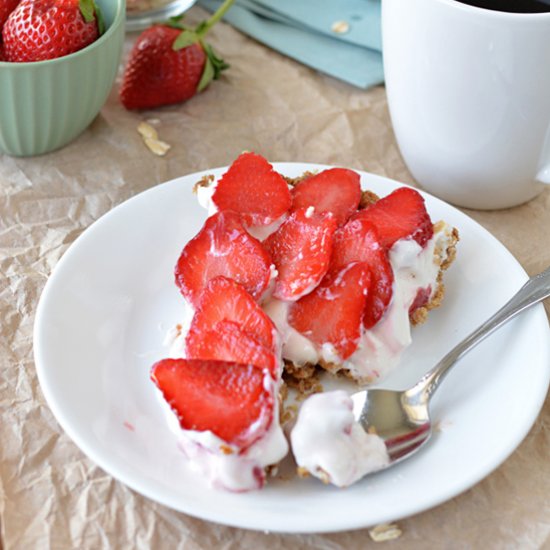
<point x="51" y="495"/>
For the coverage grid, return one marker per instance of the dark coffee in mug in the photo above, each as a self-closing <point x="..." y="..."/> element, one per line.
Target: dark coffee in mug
<point x="513" y="6"/>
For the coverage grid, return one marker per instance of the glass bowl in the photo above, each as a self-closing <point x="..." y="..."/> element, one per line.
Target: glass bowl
<point x="143" y="13"/>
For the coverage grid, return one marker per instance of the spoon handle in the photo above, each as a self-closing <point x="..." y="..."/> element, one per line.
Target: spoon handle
<point x="536" y="289"/>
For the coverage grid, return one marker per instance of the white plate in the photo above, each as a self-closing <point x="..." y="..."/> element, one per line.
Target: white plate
<point x="100" y="325"/>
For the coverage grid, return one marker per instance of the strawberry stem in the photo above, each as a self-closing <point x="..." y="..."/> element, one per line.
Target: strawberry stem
<point x="216" y="16"/>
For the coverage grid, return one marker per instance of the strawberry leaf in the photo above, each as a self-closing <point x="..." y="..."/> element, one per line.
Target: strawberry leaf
<point x="186" y="38"/>
<point x="218" y="64"/>
<point x="90" y="12"/>
<point x="213" y="67"/>
<point x="176" y="22"/>
<point x="87" y="9"/>
<point x="100" y="19"/>
<point x="207" y="75"/>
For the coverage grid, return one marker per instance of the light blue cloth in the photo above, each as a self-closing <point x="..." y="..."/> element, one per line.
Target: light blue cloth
<point x="302" y="29"/>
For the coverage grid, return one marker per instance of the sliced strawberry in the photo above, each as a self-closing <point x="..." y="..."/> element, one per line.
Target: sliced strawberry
<point x="358" y="241"/>
<point x="333" y="312"/>
<point x="222" y="247"/>
<point x="400" y="215"/>
<point x="252" y="188"/>
<point x="421" y="299"/>
<point x="228" y="342"/>
<point x="335" y="190"/>
<point x="300" y="250"/>
<point x="225" y="300"/>
<point x="226" y="398"/>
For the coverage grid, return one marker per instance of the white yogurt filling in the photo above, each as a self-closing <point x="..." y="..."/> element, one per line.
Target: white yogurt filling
<point x="330" y="444"/>
<point x="381" y="346"/>
<point x="222" y="464"/>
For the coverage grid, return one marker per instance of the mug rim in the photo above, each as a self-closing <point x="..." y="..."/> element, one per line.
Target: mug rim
<point x="457" y="4"/>
<point x="117" y="21"/>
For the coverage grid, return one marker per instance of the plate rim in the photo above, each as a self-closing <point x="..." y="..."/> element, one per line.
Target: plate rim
<point x="329" y="526"/>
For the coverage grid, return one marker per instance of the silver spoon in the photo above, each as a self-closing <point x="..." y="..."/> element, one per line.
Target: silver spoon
<point x="402" y="418"/>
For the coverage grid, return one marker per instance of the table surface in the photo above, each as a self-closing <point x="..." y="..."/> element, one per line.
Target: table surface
<point x="51" y="495"/>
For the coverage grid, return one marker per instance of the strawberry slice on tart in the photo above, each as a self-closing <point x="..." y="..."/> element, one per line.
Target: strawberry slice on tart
<point x="226" y="398"/>
<point x="333" y="312"/>
<point x="358" y="241"/>
<point x="254" y="189"/>
<point x="222" y="247"/>
<point x="400" y="215"/>
<point x="336" y="190"/>
<point x="227" y="341"/>
<point x="225" y="300"/>
<point x="301" y="250"/>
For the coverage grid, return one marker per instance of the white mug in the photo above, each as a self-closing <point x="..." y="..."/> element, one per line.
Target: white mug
<point x="469" y="97"/>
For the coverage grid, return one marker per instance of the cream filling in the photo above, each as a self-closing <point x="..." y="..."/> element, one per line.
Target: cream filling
<point x="222" y="464"/>
<point x="330" y="444"/>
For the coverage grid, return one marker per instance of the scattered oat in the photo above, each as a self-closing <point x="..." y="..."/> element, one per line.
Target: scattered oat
<point x="323" y="476"/>
<point x="159" y="148"/>
<point x="289" y="415"/>
<point x="385" y="531"/>
<point x="226" y="450"/>
<point x="205" y="181"/>
<point x="302" y="472"/>
<point x="147" y="131"/>
<point x="340" y="27"/>
<point x="151" y="138"/>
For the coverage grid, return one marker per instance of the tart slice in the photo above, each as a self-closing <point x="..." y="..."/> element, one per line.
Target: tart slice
<point x="227" y="412"/>
<point x="290" y="277"/>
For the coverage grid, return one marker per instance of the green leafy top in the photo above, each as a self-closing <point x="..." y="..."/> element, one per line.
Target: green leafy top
<point x="214" y="65"/>
<point x="90" y="11"/>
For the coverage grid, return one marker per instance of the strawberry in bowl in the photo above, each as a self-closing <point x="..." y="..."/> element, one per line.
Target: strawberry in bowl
<point x="37" y="30"/>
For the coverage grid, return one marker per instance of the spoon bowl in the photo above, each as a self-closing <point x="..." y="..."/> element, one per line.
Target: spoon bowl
<point x="402" y="418"/>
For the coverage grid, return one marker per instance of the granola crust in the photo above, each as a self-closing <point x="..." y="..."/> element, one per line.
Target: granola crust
<point x="420" y="315"/>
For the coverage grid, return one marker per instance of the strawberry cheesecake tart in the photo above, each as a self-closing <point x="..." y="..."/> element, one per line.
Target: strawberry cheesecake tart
<point x="286" y="279"/>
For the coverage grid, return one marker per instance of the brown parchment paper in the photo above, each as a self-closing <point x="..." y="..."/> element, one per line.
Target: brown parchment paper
<point x="51" y="495"/>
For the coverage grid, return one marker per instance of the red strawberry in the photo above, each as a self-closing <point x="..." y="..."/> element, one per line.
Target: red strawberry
<point x="226" y="398"/>
<point x="358" y="241"/>
<point x="46" y="29"/>
<point x="421" y="299"/>
<point x="252" y="188"/>
<point x="336" y="190"/>
<point x="2" y="55"/>
<point x="300" y="250"/>
<point x="6" y="7"/>
<point x="171" y="63"/>
<point x="222" y="247"/>
<point x="225" y="300"/>
<point x="333" y="312"/>
<point x="228" y="342"/>
<point x="400" y="215"/>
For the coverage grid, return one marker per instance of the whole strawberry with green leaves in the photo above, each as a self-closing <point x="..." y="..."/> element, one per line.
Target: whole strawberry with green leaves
<point x="46" y="29"/>
<point x="170" y="63"/>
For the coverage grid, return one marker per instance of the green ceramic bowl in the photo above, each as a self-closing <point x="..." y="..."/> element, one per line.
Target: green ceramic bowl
<point x="46" y="104"/>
